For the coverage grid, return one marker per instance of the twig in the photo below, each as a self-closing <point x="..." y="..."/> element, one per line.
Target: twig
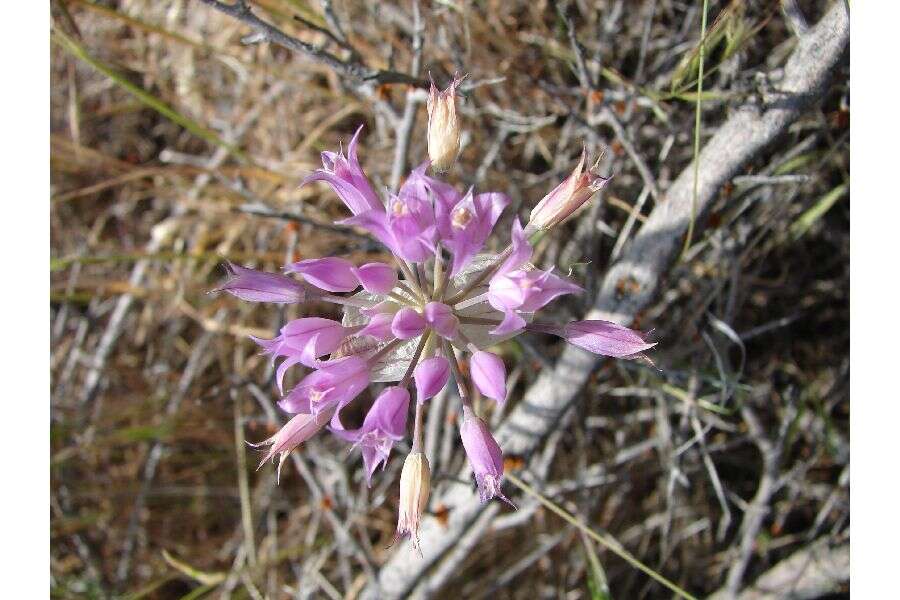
<point x="408" y="121"/>
<point x="812" y="572"/>
<point x="266" y="32"/>
<point x="768" y="484"/>
<point x="608" y="117"/>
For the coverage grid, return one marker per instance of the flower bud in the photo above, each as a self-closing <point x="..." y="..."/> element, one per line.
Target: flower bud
<point x="431" y="375"/>
<point x="408" y="323"/>
<point x="331" y="274"/>
<point x="440" y="317"/>
<point x="601" y="337"/>
<point x="489" y="375"/>
<point x="415" y="486"/>
<point x="259" y="286"/>
<point x="376" y="277"/>
<point x="485" y="456"/>
<point x="443" y="126"/>
<point x="379" y="327"/>
<point x="566" y="198"/>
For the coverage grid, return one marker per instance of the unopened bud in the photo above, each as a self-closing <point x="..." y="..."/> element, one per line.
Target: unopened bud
<point x="415" y="487"/>
<point x="443" y="126"/>
<point x="566" y="198"/>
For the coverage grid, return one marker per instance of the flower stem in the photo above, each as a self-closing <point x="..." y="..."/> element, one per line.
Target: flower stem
<point x="467" y="302"/>
<point x="380" y="354"/>
<point x="485" y="274"/>
<point x="400" y="299"/>
<point x="423" y="280"/>
<point x="418" y="428"/>
<point x="350" y="301"/>
<point x="465" y="340"/>
<point x="457" y="374"/>
<point x="423" y="341"/>
<point x="411" y="279"/>
<point x="440" y="281"/>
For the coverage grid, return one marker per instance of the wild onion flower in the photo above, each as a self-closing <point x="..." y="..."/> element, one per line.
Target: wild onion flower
<point x="411" y="322"/>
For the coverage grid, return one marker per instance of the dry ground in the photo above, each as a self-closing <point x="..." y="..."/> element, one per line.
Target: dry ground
<point x="731" y="458"/>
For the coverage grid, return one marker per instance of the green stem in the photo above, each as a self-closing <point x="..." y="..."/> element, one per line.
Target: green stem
<point x="457" y="374"/>
<point x="690" y="232"/>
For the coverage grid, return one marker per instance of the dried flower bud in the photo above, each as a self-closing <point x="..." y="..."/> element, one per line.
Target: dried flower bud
<point x="415" y="486"/>
<point x="443" y="126"/>
<point x="566" y="198"/>
<point x="296" y="431"/>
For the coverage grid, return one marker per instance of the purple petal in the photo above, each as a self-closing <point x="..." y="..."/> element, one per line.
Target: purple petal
<point x="489" y="374"/>
<point x="547" y="287"/>
<point x="332" y="274"/>
<point x="407" y="324"/>
<point x="286" y="364"/>
<point x="384" y="424"/>
<point x="347" y="179"/>
<point x="511" y="322"/>
<point x="389" y="412"/>
<point x="431" y="375"/>
<point x="375" y="222"/>
<point x="376" y="277"/>
<point x="466" y="226"/>
<point x="329" y="334"/>
<point x="259" y="286"/>
<point x="334" y="385"/>
<point x="521" y="251"/>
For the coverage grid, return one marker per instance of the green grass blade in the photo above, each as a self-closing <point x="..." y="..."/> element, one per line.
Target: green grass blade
<point x="605" y="541"/>
<point x="80" y="52"/>
<point x="816" y="211"/>
<point x="690" y="231"/>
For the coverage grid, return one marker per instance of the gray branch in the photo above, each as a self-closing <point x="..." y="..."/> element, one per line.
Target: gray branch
<point x="645" y="262"/>
<point x="264" y="31"/>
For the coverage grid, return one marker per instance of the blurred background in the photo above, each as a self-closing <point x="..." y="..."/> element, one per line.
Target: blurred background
<point x="178" y="141"/>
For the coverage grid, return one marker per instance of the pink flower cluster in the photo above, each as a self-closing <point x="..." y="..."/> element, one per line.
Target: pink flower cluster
<point x="407" y="323"/>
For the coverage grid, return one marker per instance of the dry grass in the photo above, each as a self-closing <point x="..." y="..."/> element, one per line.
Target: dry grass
<point x="147" y="368"/>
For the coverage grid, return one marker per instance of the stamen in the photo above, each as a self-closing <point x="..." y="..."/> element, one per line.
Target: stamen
<point x="460" y="218"/>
